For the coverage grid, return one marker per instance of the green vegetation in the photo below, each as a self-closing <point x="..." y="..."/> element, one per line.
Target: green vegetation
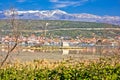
<point x="35" y="25"/>
<point x="103" y="69"/>
<point x="39" y="24"/>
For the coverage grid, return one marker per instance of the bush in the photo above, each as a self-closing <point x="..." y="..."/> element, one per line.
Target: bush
<point x="104" y="69"/>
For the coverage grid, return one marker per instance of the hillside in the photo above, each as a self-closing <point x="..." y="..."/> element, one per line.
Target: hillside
<point x="62" y="28"/>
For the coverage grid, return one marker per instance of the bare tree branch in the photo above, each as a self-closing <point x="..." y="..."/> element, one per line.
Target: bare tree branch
<point x="15" y="32"/>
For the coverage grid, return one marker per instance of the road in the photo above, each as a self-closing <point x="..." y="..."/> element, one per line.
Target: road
<point x="66" y="29"/>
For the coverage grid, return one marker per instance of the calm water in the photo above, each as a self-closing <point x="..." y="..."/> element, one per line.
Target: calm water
<point x="60" y="54"/>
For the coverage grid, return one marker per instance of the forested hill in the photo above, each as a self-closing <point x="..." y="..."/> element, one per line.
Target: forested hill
<point x="40" y="24"/>
<point x="63" y="28"/>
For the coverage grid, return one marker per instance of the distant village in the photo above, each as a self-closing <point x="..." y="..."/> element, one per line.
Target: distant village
<point x="34" y="40"/>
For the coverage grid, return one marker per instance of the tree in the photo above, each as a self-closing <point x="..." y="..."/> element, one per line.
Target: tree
<point x="12" y="15"/>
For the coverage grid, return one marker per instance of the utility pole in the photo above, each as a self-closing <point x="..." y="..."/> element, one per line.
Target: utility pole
<point x="45" y="29"/>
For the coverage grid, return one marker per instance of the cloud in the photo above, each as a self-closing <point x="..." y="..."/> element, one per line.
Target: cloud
<point x="54" y="0"/>
<point x="21" y="1"/>
<point x="66" y="3"/>
<point x="60" y="5"/>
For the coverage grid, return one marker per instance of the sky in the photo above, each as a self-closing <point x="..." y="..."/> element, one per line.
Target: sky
<point x="97" y="7"/>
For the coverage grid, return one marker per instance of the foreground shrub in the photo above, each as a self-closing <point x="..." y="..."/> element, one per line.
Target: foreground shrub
<point x="104" y="69"/>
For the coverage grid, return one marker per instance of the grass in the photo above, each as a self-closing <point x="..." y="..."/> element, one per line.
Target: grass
<point x="101" y="69"/>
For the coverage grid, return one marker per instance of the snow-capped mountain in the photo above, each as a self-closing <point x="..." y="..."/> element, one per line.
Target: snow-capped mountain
<point x="60" y="15"/>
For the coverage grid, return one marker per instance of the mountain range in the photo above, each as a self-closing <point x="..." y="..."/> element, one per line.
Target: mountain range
<point x="61" y="15"/>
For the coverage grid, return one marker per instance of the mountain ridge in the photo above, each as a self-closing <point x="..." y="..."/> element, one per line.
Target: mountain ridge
<point x="61" y="15"/>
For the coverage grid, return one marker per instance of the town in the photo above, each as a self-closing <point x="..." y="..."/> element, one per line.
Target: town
<point x="34" y="40"/>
